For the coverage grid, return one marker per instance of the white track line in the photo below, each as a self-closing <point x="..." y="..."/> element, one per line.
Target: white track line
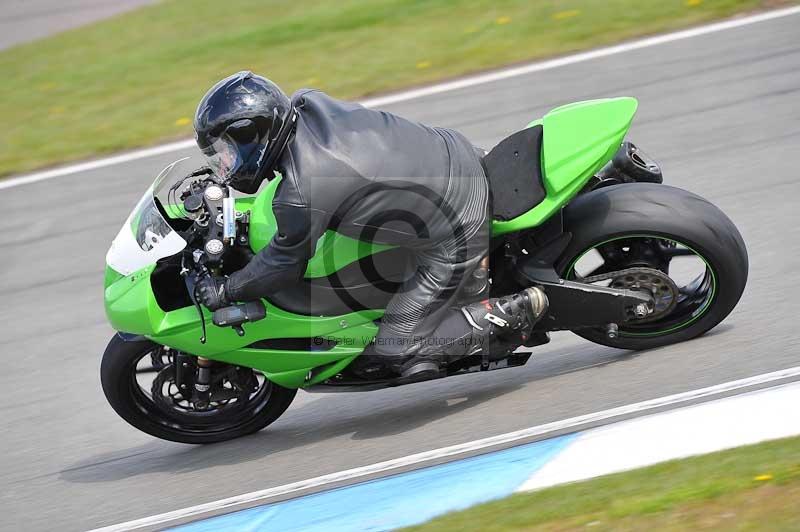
<point x="581" y="57"/>
<point x="99" y="163"/>
<point x="708" y="427"/>
<point x="470" y="81"/>
<point x="557" y="427"/>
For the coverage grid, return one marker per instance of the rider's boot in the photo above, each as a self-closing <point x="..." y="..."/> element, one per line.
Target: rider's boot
<point x="491" y="319"/>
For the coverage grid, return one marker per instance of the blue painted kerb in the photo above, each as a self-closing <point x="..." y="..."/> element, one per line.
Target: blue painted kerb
<point x="396" y="501"/>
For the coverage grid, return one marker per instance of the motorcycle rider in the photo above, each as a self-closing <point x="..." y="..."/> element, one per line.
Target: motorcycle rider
<point x="376" y="177"/>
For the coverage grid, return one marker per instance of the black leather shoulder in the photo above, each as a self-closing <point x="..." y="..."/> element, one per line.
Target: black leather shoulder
<point x="288" y="191"/>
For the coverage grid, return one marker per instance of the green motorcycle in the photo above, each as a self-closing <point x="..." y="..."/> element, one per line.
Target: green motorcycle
<point x="624" y="261"/>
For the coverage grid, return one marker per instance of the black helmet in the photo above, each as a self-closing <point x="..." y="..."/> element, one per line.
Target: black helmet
<point x="242" y="126"/>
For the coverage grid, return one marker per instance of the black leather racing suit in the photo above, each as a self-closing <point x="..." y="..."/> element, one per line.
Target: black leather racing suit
<point x="377" y="177"/>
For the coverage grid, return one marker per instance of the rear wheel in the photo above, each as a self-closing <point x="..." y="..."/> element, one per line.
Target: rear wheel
<point x="139" y="381"/>
<point x="669" y="242"/>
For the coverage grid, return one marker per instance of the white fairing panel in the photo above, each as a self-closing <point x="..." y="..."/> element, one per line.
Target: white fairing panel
<point x="145" y="238"/>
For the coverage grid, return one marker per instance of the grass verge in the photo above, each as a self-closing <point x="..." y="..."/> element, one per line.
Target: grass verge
<point x="749" y="488"/>
<point x="136" y="79"/>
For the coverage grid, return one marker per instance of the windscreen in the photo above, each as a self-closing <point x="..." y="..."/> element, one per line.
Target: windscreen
<point x="146" y="236"/>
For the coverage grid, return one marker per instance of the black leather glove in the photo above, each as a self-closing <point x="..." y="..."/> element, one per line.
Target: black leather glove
<point x="211" y="292"/>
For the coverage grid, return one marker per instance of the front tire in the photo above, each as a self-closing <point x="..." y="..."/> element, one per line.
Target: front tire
<point x="631" y="215"/>
<point x="125" y="360"/>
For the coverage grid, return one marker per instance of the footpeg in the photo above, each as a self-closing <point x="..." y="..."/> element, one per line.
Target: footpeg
<point x="538" y="300"/>
<point x="421" y="371"/>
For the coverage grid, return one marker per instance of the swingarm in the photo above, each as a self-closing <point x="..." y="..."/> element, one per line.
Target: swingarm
<point x="580" y="304"/>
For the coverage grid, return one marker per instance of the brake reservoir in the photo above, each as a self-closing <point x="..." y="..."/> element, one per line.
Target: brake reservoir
<point x="229" y="218"/>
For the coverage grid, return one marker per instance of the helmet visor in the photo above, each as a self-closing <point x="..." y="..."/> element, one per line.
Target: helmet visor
<point x="234" y="151"/>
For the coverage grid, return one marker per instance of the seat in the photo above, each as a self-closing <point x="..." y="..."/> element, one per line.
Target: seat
<point x="514" y="170"/>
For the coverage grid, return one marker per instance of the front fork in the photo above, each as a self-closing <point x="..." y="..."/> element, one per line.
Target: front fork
<point x="193" y="378"/>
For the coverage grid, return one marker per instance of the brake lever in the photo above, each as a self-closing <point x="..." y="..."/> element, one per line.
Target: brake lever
<point x="201" y="316"/>
<point x="191" y="287"/>
<point x="203" y="170"/>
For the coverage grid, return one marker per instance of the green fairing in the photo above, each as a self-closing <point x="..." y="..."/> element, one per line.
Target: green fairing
<point x="131" y="307"/>
<point x="578" y="140"/>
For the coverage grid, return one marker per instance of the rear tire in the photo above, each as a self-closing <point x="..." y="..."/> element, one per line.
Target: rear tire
<point x="118" y="376"/>
<point x="659" y="211"/>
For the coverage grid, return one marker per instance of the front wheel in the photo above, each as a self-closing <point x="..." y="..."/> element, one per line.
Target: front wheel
<point x="666" y="241"/>
<point x="139" y="381"/>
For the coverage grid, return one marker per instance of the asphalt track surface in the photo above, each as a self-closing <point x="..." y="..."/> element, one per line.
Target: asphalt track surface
<point x="27" y="20"/>
<point x="718" y="111"/>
